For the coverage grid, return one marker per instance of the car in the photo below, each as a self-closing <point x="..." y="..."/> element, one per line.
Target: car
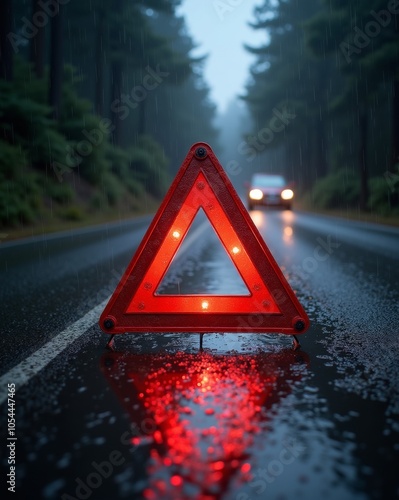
<point x="270" y="191"/>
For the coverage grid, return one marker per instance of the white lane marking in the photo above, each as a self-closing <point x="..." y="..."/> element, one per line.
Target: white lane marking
<point x="31" y="366"/>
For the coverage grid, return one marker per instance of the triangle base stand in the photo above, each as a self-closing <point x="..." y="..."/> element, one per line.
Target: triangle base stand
<point x="110" y="345"/>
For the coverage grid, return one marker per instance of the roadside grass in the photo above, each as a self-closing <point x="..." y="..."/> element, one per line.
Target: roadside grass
<point x="70" y="205"/>
<point x="55" y="225"/>
<point x="350" y="214"/>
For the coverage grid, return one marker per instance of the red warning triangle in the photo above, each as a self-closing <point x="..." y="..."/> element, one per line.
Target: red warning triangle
<point x="270" y="305"/>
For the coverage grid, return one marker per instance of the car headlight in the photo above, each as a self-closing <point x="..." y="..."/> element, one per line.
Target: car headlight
<point x="287" y="194"/>
<point x="256" y="194"/>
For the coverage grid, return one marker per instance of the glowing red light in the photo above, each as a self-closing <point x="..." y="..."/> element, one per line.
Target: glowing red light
<point x="176" y="480"/>
<point x="245" y="467"/>
<point x="158" y="437"/>
<point x="149" y="494"/>
<point x="218" y="465"/>
<point x="189" y="450"/>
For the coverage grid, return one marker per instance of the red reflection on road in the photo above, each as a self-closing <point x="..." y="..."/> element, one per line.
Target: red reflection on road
<point x="206" y="411"/>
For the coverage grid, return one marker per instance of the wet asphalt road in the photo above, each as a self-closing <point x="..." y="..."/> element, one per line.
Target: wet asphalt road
<point x="246" y="418"/>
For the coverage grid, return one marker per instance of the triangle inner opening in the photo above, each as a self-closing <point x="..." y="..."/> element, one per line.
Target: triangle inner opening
<point x="201" y="266"/>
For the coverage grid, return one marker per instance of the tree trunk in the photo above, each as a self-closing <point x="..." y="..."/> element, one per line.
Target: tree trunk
<point x="323" y="72"/>
<point x="6" y="56"/>
<point x="38" y="45"/>
<point x="116" y="76"/>
<point x="395" y="124"/>
<point x="142" y="114"/>
<point x="56" y="63"/>
<point x="100" y="36"/>
<point x="363" y="170"/>
<point x="320" y="153"/>
<point x="116" y="89"/>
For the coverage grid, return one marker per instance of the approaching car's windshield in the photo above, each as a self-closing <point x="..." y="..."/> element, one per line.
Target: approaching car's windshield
<point x="268" y="181"/>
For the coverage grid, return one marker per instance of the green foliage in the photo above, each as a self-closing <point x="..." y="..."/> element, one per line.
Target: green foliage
<point x="73" y="213"/>
<point x="79" y="143"/>
<point x="49" y="146"/>
<point x="26" y="123"/>
<point x="59" y="192"/>
<point x="26" y="84"/>
<point x="384" y="198"/>
<point x="324" y="59"/>
<point x="78" y="139"/>
<point x="98" y="201"/>
<point x="112" y="188"/>
<point x="338" y="190"/>
<point x="15" y="205"/>
<point x="147" y="163"/>
<point x="121" y="161"/>
<point x="25" y="117"/>
<point x="368" y="63"/>
<point x="138" y="169"/>
<point x="86" y="133"/>
<point x="19" y="191"/>
<point x="22" y="190"/>
<point x="12" y="161"/>
<point x="20" y="200"/>
<point x="42" y="157"/>
<point x="134" y="187"/>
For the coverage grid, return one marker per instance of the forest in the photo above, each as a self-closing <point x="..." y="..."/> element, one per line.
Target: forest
<point x="332" y="66"/>
<point x="100" y="101"/>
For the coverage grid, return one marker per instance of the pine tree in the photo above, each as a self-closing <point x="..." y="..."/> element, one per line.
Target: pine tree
<point x="363" y="37"/>
<point x="285" y="76"/>
<point x="6" y="54"/>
